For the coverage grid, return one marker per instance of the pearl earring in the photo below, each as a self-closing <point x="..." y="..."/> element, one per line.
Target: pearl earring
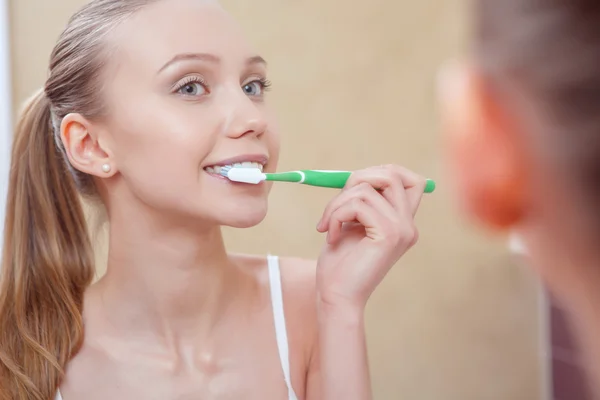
<point x="106" y="168"/>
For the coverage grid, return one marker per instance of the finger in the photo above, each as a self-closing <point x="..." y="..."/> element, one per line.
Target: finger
<point x="369" y="196"/>
<point x="414" y="187"/>
<point x="344" y="196"/>
<point x="363" y="192"/>
<point x="382" y="179"/>
<point x="353" y="211"/>
<point x="400" y="186"/>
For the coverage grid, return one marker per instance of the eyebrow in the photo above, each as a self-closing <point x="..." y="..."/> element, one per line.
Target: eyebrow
<point x="206" y="57"/>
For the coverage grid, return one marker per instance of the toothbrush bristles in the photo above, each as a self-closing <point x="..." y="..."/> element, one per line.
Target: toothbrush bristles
<point x="225" y="170"/>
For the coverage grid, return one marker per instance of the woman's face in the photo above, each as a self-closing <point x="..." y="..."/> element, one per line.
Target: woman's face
<point x="186" y="94"/>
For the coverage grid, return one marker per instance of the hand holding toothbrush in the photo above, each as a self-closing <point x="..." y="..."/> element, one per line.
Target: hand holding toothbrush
<point x="368" y="230"/>
<point x="369" y="224"/>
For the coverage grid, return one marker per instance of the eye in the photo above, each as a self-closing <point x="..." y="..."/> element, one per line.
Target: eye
<point x="192" y="86"/>
<point x="192" y="89"/>
<point x="256" y="87"/>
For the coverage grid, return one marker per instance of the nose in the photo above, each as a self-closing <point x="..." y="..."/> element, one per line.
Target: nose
<point x="244" y="117"/>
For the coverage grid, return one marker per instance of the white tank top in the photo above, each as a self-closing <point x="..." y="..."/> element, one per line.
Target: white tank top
<point x="280" y="327"/>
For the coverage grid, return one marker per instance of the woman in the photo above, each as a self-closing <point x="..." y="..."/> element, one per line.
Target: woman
<point x="143" y="100"/>
<point x="521" y="118"/>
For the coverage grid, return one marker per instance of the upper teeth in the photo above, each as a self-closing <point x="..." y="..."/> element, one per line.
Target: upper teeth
<point x="246" y="164"/>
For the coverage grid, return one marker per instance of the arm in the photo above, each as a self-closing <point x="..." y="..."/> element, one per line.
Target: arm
<point x="339" y="366"/>
<point x="368" y="230"/>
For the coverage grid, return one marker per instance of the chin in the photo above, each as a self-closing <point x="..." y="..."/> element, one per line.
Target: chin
<point x="246" y="221"/>
<point x="245" y="216"/>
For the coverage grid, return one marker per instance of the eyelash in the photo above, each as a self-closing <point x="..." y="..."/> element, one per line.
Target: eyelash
<point x="188" y="80"/>
<point x="264" y="83"/>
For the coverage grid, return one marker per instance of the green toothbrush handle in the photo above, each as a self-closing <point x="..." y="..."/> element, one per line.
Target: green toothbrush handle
<point x="330" y="179"/>
<point x="429" y="186"/>
<point x="338" y="179"/>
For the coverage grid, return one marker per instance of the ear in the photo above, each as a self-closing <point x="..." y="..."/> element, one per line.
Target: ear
<point x="83" y="148"/>
<point x="483" y="148"/>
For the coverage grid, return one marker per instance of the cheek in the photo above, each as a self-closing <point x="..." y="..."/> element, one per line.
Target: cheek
<point x="484" y="186"/>
<point x="273" y="146"/>
<point x="474" y="176"/>
<point x="273" y="139"/>
<point x="456" y="168"/>
<point x="458" y="134"/>
<point x="456" y="153"/>
<point x="157" y="173"/>
<point x="164" y="150"/>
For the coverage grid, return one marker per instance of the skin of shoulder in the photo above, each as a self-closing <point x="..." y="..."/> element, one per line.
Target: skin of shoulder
<point x="298" y="277"/>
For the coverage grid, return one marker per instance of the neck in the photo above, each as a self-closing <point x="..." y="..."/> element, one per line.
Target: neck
<point x="578" y="293"/>
<point x="584" y="315"/>
<point x="174" y="281"/>
<point x="569" y="264"/>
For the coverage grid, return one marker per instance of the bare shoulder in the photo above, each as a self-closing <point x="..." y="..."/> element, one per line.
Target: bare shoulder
<point x="299" y="275"/>
<point x="298" y="282"/>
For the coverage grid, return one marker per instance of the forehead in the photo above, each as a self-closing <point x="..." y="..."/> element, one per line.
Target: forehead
<point x="166" y="28"/>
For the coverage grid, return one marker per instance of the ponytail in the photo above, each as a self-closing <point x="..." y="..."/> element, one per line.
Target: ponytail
<point x="47" y="262"/>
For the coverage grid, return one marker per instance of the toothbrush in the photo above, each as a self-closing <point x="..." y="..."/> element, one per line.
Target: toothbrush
<point x="322" y="178"/>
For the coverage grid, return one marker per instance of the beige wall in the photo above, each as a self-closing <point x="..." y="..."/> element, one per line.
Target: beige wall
<point x="354" y="86"/>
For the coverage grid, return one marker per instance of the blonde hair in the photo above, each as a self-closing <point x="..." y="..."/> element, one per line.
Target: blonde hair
<point x="47" y="261"/>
